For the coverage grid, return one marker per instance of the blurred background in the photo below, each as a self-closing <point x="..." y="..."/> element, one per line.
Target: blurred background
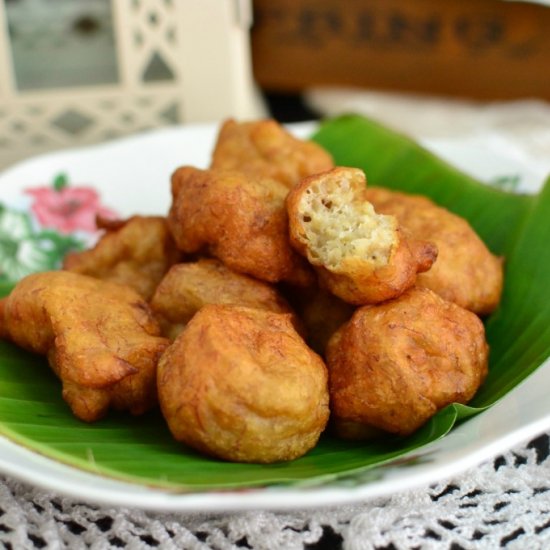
<point x="82" y="71"/>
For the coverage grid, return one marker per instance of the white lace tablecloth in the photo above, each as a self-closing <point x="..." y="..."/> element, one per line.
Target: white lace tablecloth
<point x="503" y="503"/>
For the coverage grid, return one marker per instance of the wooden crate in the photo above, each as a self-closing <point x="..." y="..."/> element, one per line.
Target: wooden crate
<point x="486" y="49"/>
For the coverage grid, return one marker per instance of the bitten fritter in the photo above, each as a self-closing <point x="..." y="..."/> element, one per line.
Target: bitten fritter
<point x="465" y="272"/>
<point x="240" y="384"/>
<point x="188" y="287"/>
<point x="242" y="222"/>
<point x="359" y="255"/>
<point x="136" y="252"/>
<point x="394" y="365"/>
<point x="264" y="149"/>
<point x="100" y="339"/>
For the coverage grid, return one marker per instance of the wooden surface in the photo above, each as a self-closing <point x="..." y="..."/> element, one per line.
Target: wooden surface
<point x="487" y="49"/>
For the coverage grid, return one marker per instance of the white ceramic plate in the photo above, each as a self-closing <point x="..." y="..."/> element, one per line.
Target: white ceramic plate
<point x="131" y="176"/>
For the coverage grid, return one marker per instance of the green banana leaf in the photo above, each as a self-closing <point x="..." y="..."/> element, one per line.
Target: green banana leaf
<point x="141" y="449"/>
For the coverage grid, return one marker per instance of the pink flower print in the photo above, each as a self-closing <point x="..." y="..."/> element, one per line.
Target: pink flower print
<point x="68" y="209"/>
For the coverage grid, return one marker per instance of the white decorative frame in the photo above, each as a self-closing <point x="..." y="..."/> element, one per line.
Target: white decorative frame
<point x="205" y="44"/>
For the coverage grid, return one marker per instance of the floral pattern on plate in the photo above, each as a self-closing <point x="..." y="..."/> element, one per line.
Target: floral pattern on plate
<point x="61" y="219"/>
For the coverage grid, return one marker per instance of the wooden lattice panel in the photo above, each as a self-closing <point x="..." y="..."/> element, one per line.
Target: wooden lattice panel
<point x="172" y="68"/>
<point x="150" y="28"/>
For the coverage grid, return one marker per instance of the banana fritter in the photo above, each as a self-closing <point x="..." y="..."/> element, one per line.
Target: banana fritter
<point x="394" y="365"/>
<point x="136" y="252"/>
<point x="241" y="221"/>
<point x="264" y="149"/>
<point x="465" y="272"/>
<point x="240" y="384"/>
<point x="360" y="256"/>
<point x="320" y="312"/>
<point x="188" y="287"/>
<point x="100" y="339"/>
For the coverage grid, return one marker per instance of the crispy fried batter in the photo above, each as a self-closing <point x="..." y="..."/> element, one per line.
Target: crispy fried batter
<point x="465" y="272"/>
<point x="394" y="365"/>
<point x="359" y="255"/>
<point x="136" y="252"/>
<point x="240" y="384"/>
<point x="188" y="287"/>
<point x="241" y="221"/>
<point x="100" y="339"/>
<point x="264" y="149"/>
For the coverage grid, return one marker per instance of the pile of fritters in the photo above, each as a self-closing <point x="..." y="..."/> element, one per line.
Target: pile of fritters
<point x="279" y="292"/>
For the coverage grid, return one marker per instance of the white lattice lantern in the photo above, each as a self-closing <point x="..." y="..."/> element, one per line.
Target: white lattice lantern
<point x="168" y="61"/>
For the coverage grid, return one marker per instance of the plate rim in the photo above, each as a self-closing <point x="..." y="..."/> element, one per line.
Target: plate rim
<point x="75" y="483"/>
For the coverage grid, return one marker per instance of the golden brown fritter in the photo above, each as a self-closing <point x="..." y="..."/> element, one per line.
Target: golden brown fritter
<point x="136" y="252"/>
<point x="321" y="313"/>
<point x="264" y="149"/>
<point x="242" y="222"/>
<point x="465" y="272"/>
<point x="188" y="287"/>
<point x="359" y="255"/>
<point x="100" y="338"/>
<point x="240" y="384"/>
<point x="394" y="365"/>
